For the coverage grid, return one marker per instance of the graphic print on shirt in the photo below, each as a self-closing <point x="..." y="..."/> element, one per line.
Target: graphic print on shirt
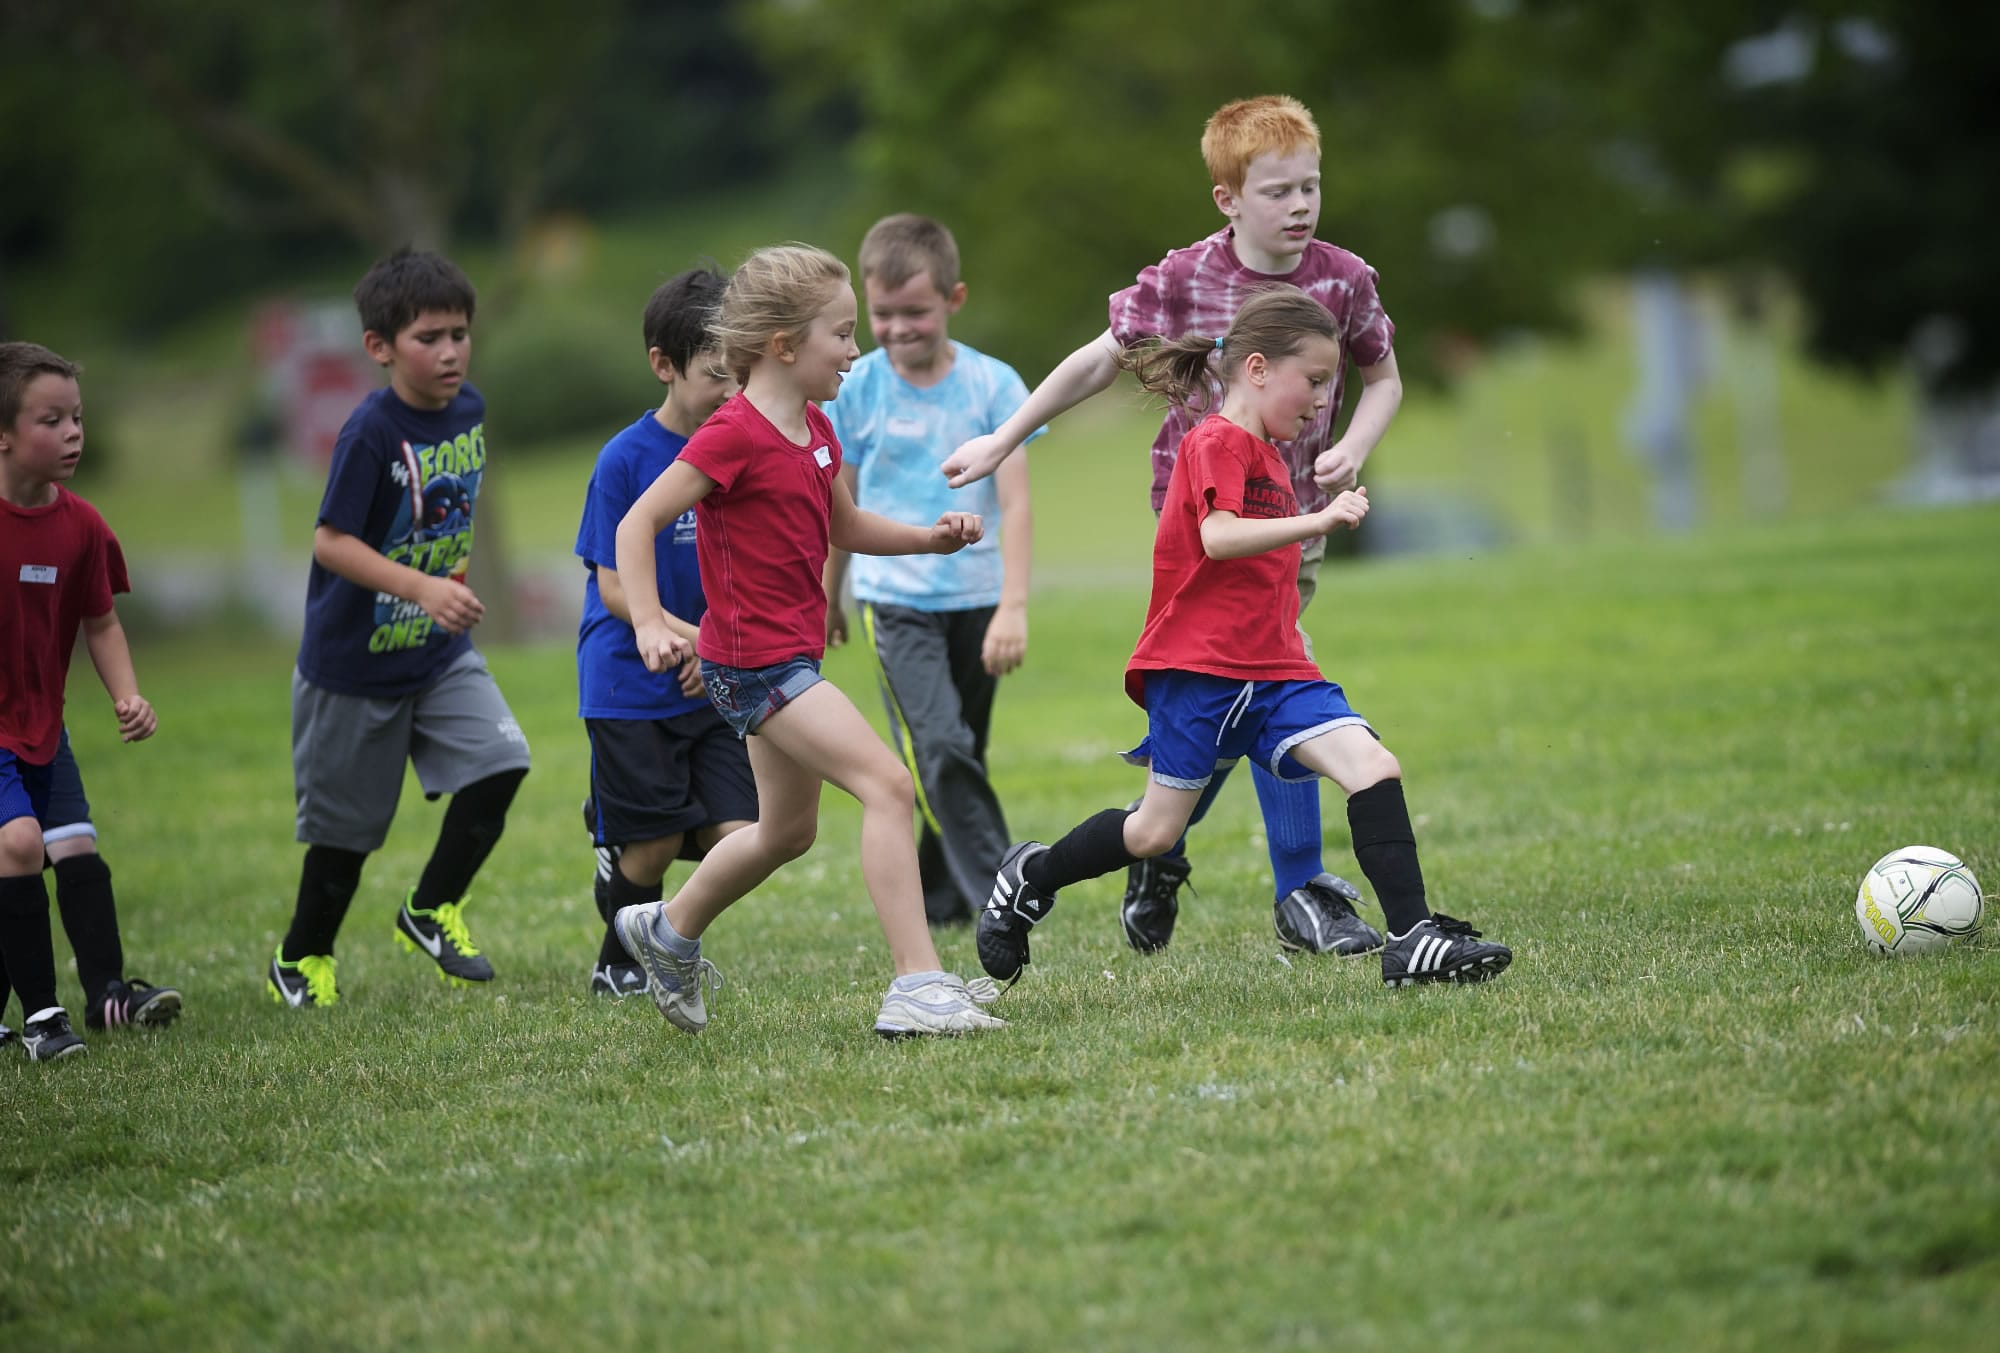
<point x="431" y="531"/>
<point x="1265" y="498"/>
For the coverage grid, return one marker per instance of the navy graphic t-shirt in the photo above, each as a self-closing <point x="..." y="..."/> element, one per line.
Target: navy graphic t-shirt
<point x="403" y="481"/>
<point x="611" y="680"/>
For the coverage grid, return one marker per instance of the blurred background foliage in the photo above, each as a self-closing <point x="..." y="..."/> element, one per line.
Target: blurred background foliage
<point x="1820" y="174"/>
<point x="1484" y="155"/>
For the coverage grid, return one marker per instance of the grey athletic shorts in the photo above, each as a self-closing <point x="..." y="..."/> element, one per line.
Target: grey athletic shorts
<point x="348" y="750"/>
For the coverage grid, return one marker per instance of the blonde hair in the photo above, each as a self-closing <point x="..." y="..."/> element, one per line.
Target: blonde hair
<point x="897" y="248"/>
<point x="777" y="290"/>
<point x="1239" y="132"/>
<point x="1276" y="322"/>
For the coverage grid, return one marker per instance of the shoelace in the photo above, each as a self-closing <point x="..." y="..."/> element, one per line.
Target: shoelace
<point x="317" y="969"/>
<point x="707" y="977"/>
<point x="451" y="920"/>
<point x="1451" y="925"/>
<point x="982" y="990"/>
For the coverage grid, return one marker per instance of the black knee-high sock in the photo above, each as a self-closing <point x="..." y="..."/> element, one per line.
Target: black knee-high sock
<point x="1386" y="846"/>
<point x="25" y="940"/>
<point x="90" y="919"/>
<point x="6" y="987"/>
<point x="622" y="892"/>
<point x="472" y="826"/>
<point x="1092" y="849"/>
<point x="326" y="885"/>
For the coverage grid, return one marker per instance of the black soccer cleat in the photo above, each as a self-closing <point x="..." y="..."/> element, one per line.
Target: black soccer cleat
<point x="1441" y="949"/>
<point x="1152" y="901"/>
<point x="440" y="932"/>
<point x="49" y="1038"/>
<point x="618" y="980"/>
<point x="134" y="1002"/>
<point x="1318" y="918"/>
<point x="1015" y="908"/>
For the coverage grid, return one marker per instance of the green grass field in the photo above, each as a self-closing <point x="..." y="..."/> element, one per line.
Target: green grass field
<point x="1695" y="1114"/>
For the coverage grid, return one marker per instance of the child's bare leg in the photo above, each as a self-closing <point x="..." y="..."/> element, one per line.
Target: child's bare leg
<point x="1350" y="756"/>
<point x="1161" y="819"/>
<point x="823" y="732"/>
<point x="787" y="820"/>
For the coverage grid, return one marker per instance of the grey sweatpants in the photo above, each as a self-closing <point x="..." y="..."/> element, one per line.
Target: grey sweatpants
<point x="940" y="702"/>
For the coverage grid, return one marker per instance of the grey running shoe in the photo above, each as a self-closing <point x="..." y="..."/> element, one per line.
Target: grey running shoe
<point x="1152" y="901"/>
<point x="1319" y="918"/>
<point x="1442" y="949"/>
<point x="617" y="980"/>
<point x="679" y="985"/>
<point x="947" y="1004"/>
<point x="1010" y="912"/>
<point x="50" y="1037"/>
<point x="8" y="1038"/>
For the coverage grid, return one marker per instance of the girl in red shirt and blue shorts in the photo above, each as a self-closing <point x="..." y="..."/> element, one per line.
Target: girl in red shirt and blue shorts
<point x="1221" y="668"/>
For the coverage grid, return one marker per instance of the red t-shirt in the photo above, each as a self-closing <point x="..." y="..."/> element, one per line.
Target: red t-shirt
<point x="59" y="566"/>
<point x="761" y="534"/>
<point x="1226" y="617"/>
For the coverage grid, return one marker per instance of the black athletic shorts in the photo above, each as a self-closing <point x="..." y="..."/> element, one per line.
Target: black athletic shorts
<point x="652" y="778"/>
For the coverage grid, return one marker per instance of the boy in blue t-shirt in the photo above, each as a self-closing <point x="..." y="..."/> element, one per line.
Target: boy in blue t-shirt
<point x="668" y="778"/>
<point x="944" y="628"/>
<point x="386" y="671"/>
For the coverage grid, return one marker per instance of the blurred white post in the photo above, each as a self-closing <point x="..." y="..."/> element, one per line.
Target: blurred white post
<point x="1667" y="341"/>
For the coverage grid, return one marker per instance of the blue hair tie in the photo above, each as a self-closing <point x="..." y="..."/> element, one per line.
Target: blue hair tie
<point x="1218" y="345"/>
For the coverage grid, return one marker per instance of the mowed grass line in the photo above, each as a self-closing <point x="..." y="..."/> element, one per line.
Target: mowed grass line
<point x="1696" y="1114"/>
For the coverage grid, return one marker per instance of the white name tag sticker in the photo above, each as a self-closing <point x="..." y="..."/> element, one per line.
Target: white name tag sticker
<point x="38" y="573"/>
<point x="822" y="457"/>
<point x="908" y="427"/>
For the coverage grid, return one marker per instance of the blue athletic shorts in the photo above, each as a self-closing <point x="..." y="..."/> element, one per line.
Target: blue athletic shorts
<point x="746" y="696"/>
<point x="24" y="788"/>
<point x="1195" y="722"/>
<point x="69" y="809"/>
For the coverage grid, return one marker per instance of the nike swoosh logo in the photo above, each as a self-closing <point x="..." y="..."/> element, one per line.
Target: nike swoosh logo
<point x="291" y="997"/>
<point x="433" y="944"/>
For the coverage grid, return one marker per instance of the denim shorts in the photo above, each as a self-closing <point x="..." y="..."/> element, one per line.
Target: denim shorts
<point x="746" y="696"/>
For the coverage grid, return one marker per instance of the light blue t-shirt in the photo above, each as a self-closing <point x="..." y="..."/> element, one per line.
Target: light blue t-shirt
<point x="896" y="436"/>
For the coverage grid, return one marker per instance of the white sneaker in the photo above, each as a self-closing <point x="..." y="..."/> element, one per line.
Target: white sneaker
<point x="678" y="984"/>
<point x="946" y="1004"/>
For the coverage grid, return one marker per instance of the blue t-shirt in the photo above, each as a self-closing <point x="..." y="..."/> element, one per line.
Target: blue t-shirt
<point x="404" y="482"/>
<point x="611" y="680"/>
<point x="896" y="435"/>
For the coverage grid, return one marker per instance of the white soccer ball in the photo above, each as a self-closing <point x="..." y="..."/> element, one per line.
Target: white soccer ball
<point x="1917" y="900"/>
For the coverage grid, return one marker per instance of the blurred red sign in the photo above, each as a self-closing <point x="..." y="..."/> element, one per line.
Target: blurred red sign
<point x="315" y="371"/>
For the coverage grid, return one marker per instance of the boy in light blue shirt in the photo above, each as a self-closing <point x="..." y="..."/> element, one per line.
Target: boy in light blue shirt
<point x="943" y="628"/>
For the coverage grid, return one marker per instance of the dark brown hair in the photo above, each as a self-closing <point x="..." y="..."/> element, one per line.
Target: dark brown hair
<point x="20" y="363"/>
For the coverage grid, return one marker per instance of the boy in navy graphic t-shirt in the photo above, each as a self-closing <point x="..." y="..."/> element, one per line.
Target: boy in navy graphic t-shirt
<point x="386" y="671"/>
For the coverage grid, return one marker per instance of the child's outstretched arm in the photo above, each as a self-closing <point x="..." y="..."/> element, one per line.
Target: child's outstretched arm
<point x="1077" y="377"/>
<point x="112" y="657"/>
<point x="679" y="487"/>
<point x="1224" y="535"/>
<point x="861" y="532"/>
<point x="1006" y="641"/>
<point x="1339" y="466"/>
<point x="451" y="604"/>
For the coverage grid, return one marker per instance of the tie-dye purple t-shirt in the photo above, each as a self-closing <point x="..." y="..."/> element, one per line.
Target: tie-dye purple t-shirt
<point x="1198" y="290"/>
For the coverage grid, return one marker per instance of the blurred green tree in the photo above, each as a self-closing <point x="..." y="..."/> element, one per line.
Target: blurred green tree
<point x="1484" y="155"/>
